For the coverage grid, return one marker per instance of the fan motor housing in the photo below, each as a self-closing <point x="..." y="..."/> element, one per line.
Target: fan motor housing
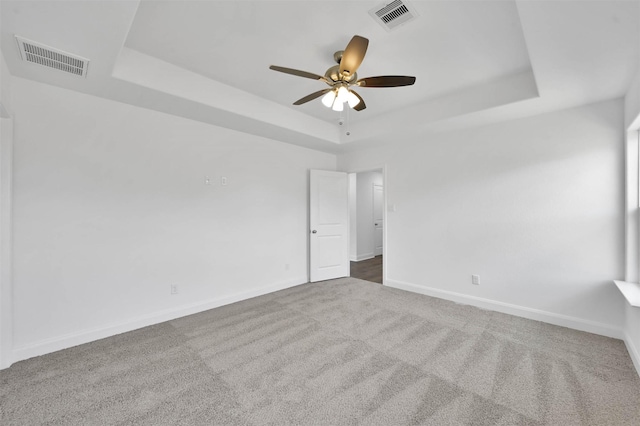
<point x="333" y="74"/>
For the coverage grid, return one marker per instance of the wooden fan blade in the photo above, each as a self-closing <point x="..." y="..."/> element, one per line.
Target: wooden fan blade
<point x="312" y="96"/>
<point x="353" y="55"/>
<point x="297" y="72"/>
<point x="361" y="105"/>
<point x="386" y="81"/>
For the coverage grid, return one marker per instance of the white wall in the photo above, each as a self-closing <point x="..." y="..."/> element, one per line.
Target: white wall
<point x="534" y="206"/>
<point x="364" y="200"/>
<point x="632" y="102"/>
<point x="632" y="333"/>
<point x="111" y="208"/>
<point x="6" y="146"/>
<point x="5" y="88"/>
<point x="632" y="125"/>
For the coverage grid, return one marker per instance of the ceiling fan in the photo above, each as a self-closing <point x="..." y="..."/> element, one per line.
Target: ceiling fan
<point x="342" y="77"/>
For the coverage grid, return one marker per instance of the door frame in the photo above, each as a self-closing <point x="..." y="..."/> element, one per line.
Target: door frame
<point x="373" y="212"/>
<point x="385" y="210"/>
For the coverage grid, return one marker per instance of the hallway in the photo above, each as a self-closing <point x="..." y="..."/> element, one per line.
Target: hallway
<point x="369" y="270"/>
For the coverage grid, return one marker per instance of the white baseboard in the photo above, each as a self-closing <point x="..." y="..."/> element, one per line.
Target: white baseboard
<point x="362" y="257"/>
<point x="85" y="336"/>
<point x="634" y="352"/>
<point x="507" y="308"/>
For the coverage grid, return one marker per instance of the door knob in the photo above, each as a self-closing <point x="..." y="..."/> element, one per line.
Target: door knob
<point x="314" y="232"/>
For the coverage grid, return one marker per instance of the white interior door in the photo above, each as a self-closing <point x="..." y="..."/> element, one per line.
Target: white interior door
<point x="378" y="219"/>
<point x="329" y="217"/>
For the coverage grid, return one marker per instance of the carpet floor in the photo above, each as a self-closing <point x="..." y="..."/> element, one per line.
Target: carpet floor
<point x="340" y="352"/>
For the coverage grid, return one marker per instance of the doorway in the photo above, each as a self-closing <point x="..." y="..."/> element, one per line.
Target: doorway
<point x="366" y="225"/>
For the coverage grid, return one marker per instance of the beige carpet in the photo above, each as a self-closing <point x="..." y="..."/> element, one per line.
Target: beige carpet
<point x="339" y="352"/>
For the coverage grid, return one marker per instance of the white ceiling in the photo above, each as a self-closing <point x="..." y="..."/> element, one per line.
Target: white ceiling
<point x="476" y="62"/>
<point x="235" y="42"/>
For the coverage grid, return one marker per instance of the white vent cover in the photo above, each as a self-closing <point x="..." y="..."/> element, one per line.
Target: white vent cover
<point x="53" y="58"/>
<point x="393" y="15"/>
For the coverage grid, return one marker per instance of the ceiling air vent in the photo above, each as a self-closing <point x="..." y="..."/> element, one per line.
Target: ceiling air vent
<point x="53" y="58"/>
<point x="393" y="15"/>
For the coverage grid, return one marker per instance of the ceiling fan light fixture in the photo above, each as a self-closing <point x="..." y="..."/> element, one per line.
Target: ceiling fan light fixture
<point x="343" y="94"/>
<point x="352" y="99"/>
<point x="327" y="100"/>
<point x="341" y="77"/>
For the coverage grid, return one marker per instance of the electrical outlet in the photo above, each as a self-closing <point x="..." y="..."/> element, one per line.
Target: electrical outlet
<point x="475" y="279"/>
<point x="286" y="267"/>
<point x="223" y="180"/>
<point x="207" y="180"/>
<point x="174" y="288"/>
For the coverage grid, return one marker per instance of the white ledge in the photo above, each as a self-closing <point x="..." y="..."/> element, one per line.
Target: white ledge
<point x="630" y="291"/>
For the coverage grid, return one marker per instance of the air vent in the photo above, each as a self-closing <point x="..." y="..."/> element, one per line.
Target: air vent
<point x="46" y="56"/>
<point x="393" y="15"/>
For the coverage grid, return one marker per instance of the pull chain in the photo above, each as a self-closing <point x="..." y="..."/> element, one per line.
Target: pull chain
<point x="342" y="121"/>
<point x="348" y="132"/>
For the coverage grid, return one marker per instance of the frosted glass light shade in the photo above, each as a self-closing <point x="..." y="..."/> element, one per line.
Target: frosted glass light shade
<point x="352" y="99"/>
<point x="337" y="105"/>
<point x="327" y="100"/>
<point x="343" y="94"/>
